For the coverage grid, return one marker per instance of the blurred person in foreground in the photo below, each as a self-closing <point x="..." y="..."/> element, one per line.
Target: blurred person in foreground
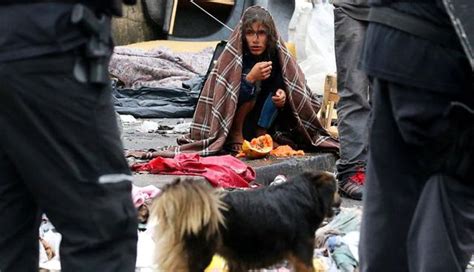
<point x="419" y="197"/>
<point x="60" y="150"/>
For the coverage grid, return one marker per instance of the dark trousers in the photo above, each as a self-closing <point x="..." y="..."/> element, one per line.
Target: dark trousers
<point x="353" y="108"/>
<point x="413" y="220"/>
<point x="60" y="153"/>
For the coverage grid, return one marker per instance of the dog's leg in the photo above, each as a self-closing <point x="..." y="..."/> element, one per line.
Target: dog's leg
<point x="300" y="265"/>
<point x="302" y="257"/>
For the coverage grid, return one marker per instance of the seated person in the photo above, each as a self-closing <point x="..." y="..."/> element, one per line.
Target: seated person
<point x="255" y="87"/>
<point x="261" y="77"/>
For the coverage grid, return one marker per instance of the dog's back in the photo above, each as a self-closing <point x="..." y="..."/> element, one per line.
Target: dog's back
<point x="267" y="225"/>
<point x="250" y="229"/>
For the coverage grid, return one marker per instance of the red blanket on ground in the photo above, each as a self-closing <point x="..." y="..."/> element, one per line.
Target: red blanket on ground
<point x="221" y="171"/>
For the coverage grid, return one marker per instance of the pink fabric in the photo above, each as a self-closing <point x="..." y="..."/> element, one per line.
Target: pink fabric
<point x="141" y="194"/>
<point x="221" y="171"/>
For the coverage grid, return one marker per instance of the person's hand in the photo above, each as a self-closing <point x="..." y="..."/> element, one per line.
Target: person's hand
<point x="279" y="98"/>
<point x="260" y="71"/>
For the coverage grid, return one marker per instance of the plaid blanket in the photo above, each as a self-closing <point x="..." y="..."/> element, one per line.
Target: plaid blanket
<point x="217" y="104"/>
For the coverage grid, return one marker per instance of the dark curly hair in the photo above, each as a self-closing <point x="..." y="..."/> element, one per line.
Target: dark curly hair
<point x="257" y="14"/>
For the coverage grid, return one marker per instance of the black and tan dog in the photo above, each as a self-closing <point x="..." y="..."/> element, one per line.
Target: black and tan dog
<point x="250" y="229"/>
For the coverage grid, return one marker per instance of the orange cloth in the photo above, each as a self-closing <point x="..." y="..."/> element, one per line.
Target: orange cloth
<point x="286" y="151"/>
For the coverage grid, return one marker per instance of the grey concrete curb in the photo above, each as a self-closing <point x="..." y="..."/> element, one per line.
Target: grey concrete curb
<point x="267" y="171"/>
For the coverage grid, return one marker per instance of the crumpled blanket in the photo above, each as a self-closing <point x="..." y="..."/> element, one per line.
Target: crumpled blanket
<point x="217" y="104"/>
<point x="158" y="67"/>
<point x="221" y="171"/>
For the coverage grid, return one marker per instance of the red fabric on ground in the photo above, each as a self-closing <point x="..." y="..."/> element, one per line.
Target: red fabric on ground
<point x="221" y="171"/>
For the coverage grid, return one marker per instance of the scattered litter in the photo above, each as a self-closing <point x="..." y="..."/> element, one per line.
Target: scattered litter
<point x="323" y="261"/>
<point x="148" y="126"/>
<point x="341" y="254"/>
<point x="165" y="127"/>
<point x="145" y="251"/>
<point x="346" y="221"/>
<point x="320" y="263"/>
<point x="49" y="243"/>
<point x="341" y="239"/>
<point x="278" y="180"/>
<point x="127" y="118"/>
<point x="182" y="128"/>
<point x="471" y="263"/>
<point x="142" y="197"/>
<point x="352" y="240"/>
<point x="51" y="266"/>
<point x="141" y="194"/>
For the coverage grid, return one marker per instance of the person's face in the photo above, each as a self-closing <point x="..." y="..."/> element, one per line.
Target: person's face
<point x="256" y="38"/>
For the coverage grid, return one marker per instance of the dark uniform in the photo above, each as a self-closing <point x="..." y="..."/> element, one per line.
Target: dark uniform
<point x="353" y="108"/>
<point x="419" y="198"/>
<point x="60" y="151"/>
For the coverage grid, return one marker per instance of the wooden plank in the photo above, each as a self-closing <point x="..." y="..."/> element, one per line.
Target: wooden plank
<point x="330" y="98"/>
<point x="223" y="2"/>
<point x="173" y="17"/>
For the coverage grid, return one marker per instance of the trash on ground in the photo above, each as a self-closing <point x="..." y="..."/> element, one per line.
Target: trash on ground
<point x="278" y="180"/>
<point x="148" y="126"/>
<point x="127" y="118"/>
<point x="340" y="237"/>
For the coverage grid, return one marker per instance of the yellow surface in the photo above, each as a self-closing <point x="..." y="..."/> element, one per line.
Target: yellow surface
<point x="291" y="48"/>
<point x="217" y="265"/>
<point x="224" y="2"/>
<point x="190" y="46"/>
<point x="319" y="265"/>
<point x="176" y="46"/>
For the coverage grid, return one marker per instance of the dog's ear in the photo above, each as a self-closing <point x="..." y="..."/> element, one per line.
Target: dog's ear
<point x="321" y="178"/>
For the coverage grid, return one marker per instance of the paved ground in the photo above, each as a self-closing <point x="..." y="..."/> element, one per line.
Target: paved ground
<point x="266" y="169"/>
